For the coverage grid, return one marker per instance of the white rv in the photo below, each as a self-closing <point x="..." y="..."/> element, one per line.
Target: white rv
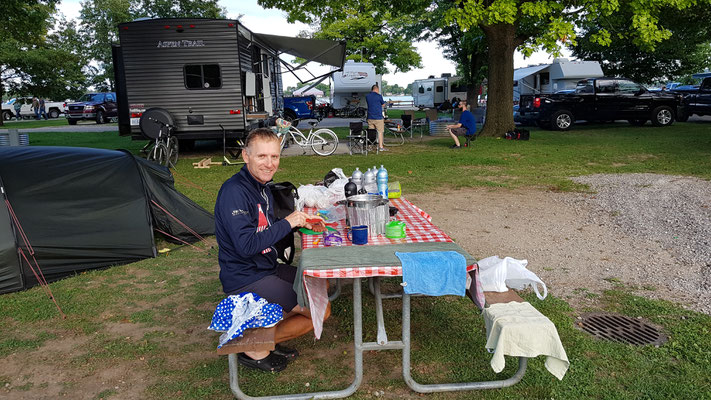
<point x="431" y="92"/>
<point x="562" y="74"/>
<point x="351" y="85"/>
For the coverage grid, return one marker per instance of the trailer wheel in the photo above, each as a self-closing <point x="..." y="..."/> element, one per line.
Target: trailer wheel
<point x="562" y="120"/>
<point x="291" y="116"/>
<point x="682" y="116"/>
<point x="662" y="116"/>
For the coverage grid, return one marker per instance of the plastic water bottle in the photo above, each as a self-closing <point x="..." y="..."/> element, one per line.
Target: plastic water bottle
<point x="358" y="178"/>
<point x="382" y="179"/>
<point x="369" y="183"/>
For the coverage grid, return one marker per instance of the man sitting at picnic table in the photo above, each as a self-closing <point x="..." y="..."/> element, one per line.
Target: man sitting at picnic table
<point x="246" y="232"/>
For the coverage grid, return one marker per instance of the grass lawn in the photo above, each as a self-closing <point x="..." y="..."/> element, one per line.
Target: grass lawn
<point x="148" y="319"/>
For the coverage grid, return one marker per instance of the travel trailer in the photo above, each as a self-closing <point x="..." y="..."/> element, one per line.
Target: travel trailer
<point x="352" y="84"/>
<point x="203" y="75"/>
<point x="431" y="92"/>
<point x="562" y="74"/>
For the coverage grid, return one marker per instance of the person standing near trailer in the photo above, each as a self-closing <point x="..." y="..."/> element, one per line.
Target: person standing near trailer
<point x="375" y="113"/>
<point x="18" y="108"/>
<point x="42" y="110"/>
<point x="35" y="107"/>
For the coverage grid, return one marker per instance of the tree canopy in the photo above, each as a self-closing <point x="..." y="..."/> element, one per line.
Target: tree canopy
<point x="373" y="30"/>
<point x="100" y="19"/>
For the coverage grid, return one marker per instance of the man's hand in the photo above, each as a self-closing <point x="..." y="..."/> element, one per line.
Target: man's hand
<point x="298" y="219"/>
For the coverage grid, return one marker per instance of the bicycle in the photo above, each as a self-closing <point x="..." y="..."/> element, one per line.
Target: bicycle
<point x="323" y="141"/>
<point x="165" y="149"/>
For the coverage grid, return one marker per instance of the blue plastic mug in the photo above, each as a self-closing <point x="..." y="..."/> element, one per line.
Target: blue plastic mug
<point x="360" y="234"/>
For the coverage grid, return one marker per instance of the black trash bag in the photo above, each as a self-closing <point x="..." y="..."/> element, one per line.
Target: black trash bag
<point x="329" y="178"/>
<point x="284" y="194"/>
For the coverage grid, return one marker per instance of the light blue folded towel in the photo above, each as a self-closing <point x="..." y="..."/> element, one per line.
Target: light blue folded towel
<point x="434" y="273"/>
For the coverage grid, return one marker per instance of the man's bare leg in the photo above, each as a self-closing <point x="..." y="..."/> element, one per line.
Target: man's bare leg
<point x="456" y="140"/>
<point x="296" y="323"/>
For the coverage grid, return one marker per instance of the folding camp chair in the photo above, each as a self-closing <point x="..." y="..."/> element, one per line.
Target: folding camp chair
<point x="410" y="123"/>
<point x="361" y="138"/>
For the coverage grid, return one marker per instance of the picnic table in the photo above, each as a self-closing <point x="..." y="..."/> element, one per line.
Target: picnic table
<point x="375" y="260"/>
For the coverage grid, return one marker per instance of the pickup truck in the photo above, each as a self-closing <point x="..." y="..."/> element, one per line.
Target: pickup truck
<point x="696" y="100"/>
<point x="100" y="107"/>
<point x="296" y="108"/>
<point x="600" y="99"/>
<point x="53" y="108"/>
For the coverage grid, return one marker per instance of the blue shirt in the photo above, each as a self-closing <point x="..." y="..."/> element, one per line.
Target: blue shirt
<point x="375" y="105"/>
<point x="467" y="120"/>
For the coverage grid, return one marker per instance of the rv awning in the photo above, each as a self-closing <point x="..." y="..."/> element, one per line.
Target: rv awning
<point x="524" y="72"/>
<point x="327" y="52"/>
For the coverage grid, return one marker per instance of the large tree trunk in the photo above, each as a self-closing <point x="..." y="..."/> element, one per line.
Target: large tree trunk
<point x="502" y="42"/>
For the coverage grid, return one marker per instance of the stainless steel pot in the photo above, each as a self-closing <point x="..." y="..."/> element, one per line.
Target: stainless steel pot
<point x="368" y="209"/>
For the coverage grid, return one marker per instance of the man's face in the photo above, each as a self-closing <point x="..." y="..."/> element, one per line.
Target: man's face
<point x="262" y="159"/>
<point x="463" y="105"/>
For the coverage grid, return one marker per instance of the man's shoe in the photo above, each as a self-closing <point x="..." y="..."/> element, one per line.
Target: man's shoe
<point x="270" y="363"/>
<point x="383" y="149"/>
<point x="289" y="354"/>
<point x="454" y="146"/>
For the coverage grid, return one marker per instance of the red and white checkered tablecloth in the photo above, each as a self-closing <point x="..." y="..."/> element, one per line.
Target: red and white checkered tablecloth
<point x="420" y="229"/>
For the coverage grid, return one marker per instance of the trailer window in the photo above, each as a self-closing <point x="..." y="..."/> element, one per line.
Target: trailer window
<point x="421" y="89"/>
<point x="440" y="89"/>
<point x="202" y="76"/>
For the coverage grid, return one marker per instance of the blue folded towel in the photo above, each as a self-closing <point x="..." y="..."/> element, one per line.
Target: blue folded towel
<point x="434" y="273"/>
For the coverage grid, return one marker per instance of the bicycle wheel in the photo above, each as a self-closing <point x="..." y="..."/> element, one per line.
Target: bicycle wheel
<point x="324" y="142"/>
<point x="159" y="154"/>
<point x="172" y="154"/>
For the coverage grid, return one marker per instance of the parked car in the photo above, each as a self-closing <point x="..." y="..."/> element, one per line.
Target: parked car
<point x="695" y="100"/>
<point x="601" y="99"/>
<point x="100" y="107"/>
<point x="299" y="107"/>
<point x="54" y="108"/>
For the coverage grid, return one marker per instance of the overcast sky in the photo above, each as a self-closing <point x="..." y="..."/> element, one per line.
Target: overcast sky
<point x="260" y="20"/>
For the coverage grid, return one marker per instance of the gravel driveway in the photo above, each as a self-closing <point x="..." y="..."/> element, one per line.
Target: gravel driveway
<point x="648" y="232"/>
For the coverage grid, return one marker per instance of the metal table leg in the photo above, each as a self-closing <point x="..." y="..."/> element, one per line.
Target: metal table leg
<point x="335" y="394"/>
<point x="446" y="387"/>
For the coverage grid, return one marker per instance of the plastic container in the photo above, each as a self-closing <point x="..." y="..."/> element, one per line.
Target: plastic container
<point x="395" y="230"/>
<point x="394" y="190"/>
<point x="357" y="177"/>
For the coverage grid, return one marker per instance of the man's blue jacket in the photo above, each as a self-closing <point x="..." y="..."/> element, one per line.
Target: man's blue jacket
<point x="246" y="231"/>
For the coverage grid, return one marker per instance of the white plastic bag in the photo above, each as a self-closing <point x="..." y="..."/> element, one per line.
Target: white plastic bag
<point x="498" y="275"/>
<point x="313" y="196"/>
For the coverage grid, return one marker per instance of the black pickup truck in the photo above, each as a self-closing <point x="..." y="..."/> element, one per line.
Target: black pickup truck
<point x="696" y="100"/>
<point x="600" y="99"/>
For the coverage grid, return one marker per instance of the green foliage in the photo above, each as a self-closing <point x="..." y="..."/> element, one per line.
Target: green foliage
<point x="373" y="30"/>
<point x="100" y="19"/>
<point x="687" y="51"/>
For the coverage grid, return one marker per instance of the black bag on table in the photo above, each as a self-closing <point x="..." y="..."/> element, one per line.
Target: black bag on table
<point x="284" y="194"/>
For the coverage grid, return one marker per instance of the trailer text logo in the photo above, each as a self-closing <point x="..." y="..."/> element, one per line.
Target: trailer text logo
<point x="181" y="43"/>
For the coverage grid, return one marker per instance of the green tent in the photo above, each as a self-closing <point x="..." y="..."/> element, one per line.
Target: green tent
<point x="73" y="209"/>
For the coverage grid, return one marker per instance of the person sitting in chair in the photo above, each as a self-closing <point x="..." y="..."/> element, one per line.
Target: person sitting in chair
<point x="465" y="127"/>
<point x="247" y="231"/>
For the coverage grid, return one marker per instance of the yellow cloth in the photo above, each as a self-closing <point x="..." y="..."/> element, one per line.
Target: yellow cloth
<point x="519" y="330"/>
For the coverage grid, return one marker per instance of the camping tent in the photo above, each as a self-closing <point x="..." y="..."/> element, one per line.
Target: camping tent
<point x="81" y="208"/>
<point x="311" y="92"/>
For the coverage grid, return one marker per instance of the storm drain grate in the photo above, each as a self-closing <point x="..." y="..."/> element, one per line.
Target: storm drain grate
<point x="620" y="328"/>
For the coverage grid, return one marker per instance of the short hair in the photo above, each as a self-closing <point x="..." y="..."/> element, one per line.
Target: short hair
<point x="374" y="87"/>
<point x="265" y="134"/>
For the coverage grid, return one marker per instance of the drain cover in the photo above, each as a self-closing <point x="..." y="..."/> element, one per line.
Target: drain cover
<point x="620" y="328"/>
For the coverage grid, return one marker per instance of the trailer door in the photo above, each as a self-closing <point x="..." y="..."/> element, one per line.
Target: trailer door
<point x="439" y="94"/>
<point x="425" y="94"/>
